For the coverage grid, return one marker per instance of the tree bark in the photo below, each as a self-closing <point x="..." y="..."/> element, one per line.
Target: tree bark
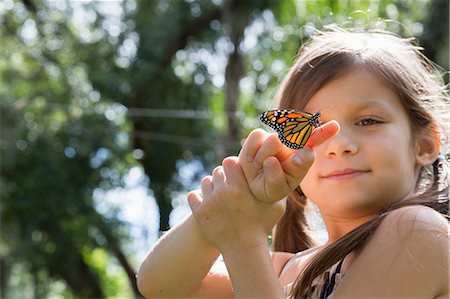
<point x="179" y="42"/>
<point x="236" y="17"/>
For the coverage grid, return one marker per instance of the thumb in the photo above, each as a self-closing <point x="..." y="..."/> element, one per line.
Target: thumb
<point x="298" y="165"/>
<point x="304" y="158"/>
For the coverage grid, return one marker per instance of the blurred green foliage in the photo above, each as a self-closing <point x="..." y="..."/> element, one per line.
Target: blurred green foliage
<point x="90" y="89"/>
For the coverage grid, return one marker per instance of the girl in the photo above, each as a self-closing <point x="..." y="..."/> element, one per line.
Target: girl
<point x="373" y="170"/>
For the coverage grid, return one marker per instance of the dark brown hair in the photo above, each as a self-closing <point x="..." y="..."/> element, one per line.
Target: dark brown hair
<point x="415" y="80"/>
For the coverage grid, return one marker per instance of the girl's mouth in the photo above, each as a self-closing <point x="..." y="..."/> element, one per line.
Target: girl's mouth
<point x="345" y="174"/>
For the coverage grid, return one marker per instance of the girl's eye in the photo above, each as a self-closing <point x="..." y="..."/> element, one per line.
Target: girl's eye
<point x="368" y="122"/>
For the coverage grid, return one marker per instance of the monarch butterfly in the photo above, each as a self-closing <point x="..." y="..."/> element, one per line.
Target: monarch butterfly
<point x="293" y="127"/>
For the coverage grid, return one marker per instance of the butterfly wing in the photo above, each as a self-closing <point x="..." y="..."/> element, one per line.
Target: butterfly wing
<point x="293" y="127"/>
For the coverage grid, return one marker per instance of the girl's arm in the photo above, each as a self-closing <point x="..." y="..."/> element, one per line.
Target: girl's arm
<point x="252" y="273"/>
<point x="242" y="201"/>
<point x="232" y="220"/>
<point x="178" y="264"/>
<point x="182" y="252"/>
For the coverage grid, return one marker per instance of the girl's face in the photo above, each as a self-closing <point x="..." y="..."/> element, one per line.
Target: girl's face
<point x="371" y="161"/>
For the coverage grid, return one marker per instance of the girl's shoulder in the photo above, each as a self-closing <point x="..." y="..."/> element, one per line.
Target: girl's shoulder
<point x="406" y="257"/>
<point x="280" y="259"/>
<point x="283" y="260"/>
<point x="413" y="219"/>
<point x="413" y="230"/>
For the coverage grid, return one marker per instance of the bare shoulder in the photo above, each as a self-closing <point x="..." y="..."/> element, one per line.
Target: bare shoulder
<point x="279" y="260"/>
<point x="412" y="220"/>
<point x="417" y="232"/>
<point x="407" y="257"/>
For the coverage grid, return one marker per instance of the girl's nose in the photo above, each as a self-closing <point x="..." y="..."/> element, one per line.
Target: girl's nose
<point x="342" y="143"/>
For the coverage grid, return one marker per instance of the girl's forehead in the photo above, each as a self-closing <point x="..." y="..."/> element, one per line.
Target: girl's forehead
<point x="358" y="89"/>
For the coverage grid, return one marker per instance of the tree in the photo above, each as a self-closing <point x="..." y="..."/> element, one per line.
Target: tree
<point x="55" y="150"/>
<point x="90" y="89"/>
<point x="158" y="76"/>
<point x="152" y="81"/>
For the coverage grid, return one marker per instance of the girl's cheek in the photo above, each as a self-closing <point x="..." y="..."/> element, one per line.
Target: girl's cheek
<point x="306" y="184"/>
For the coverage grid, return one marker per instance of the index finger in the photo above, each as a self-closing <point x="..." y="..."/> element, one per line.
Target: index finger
<point x="305" y="156"/>
<point x="322" y="133"/>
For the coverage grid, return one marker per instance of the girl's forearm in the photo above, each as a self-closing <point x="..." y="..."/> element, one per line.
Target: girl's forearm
<point x="177" y="263"/>
<point x="251" y="272"/>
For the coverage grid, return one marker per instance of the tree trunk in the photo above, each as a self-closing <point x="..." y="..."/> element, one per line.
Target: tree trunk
<point x="436" y="30"/>
<point x="81" y="280"/>
<point x="4" y="274"/>
<point x="233" y="75"/>
<point x="164" y="205"/>
<point x="236" y="18"/>
<point x="131" y="273"/>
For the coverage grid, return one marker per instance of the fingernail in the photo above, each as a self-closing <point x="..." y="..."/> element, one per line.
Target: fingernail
<point x="297" y="160"/>
<point x="303" y="157"/>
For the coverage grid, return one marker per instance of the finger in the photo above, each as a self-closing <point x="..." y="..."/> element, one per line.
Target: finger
<point x="272" y="146"/>
<point x="194" y="199"/>
<point x="233" y="172"/>
<point x="302" y="160"/>
<point x="218" y="177"/>
<point x="296" y="166"/>
<point x="322" y="133"/>
<point x="206" y="186"/>
<point x="251" y="145"/>
<point x="276" y="185"/>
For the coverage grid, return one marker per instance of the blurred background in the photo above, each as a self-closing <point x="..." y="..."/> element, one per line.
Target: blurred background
<point x="111" y="111"/>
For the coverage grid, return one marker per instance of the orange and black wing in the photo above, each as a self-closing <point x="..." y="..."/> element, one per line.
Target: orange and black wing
<point x="293" y="127"/>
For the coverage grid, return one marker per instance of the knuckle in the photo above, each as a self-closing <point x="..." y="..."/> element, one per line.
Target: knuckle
<point x="218" y="170"/>
<point x="206" y="180"/>
<point x="273" y="138"/>
<point x="257" y="133"/>
<point x="254" y="135"/>
<point x="238" y="193"/>
<point x="229" y="159"/>
<point x="192" y="194"/>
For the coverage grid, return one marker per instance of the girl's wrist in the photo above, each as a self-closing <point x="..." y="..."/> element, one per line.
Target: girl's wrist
<point x="245" y="244"/>
<point x="200" y="237"/>
<point x="251" y="271"/>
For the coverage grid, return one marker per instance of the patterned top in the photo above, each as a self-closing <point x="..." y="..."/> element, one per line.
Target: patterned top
<point x="322" y="287"/>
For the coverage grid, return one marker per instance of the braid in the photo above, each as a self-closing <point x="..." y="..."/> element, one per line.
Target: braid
<point x="292" y="229"/>
<point x="441" y="185"/>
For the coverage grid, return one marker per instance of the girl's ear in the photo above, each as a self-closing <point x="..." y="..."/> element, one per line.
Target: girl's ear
<point x="427" y="146"/>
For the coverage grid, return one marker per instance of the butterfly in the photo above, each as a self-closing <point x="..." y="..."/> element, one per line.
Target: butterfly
<point x="293" y="127"/>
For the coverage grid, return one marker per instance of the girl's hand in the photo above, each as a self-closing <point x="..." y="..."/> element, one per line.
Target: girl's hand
<point x="228" y="214"/>
<point x="273" y="170"/>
